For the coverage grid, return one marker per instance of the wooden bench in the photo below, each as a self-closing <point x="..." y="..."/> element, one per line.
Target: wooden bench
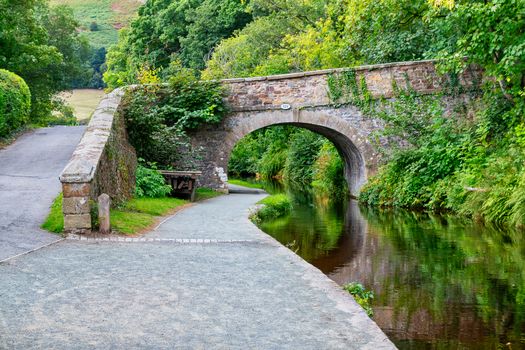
<point x="182" y="182"/>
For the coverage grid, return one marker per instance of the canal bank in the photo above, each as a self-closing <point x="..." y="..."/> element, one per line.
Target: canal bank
<point x="440" y="282"/>
<point x="208" y="278"/>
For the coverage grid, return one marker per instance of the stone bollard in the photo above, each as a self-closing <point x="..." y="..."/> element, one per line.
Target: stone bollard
<point x="104" y="203"/>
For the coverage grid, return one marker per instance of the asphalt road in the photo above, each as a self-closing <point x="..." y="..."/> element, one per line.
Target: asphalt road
<point x="29" y="171"/>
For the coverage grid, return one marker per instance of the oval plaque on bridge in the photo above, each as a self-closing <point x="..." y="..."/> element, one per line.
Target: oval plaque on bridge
<point x="285" y="106"/>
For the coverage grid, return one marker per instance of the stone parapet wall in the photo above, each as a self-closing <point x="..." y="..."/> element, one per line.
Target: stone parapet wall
<point x="103" y="162"/>
<point x="311" y="88"/>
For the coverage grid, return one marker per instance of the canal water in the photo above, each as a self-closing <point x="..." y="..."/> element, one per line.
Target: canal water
<point x="439" y="282"/>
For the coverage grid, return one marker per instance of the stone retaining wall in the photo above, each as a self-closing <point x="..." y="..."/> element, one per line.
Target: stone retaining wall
<point x="103" y="162"/>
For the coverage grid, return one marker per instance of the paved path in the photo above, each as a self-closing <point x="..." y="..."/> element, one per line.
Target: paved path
<point x="29" y="171"/>
<point x="208" y="293"/>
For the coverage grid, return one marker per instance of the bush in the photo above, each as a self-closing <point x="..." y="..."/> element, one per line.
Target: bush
<point x="273" y="207"/>
<point x="361" y="296"/>
<point x="302" y="153"/>
<point x="150" y="183"/>
<point x="157" y="119"/>
<point x="15" y="102"/>
<point x="328" y="171"/>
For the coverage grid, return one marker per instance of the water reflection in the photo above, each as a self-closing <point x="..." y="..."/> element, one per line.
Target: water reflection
<point x="440" y="283"/>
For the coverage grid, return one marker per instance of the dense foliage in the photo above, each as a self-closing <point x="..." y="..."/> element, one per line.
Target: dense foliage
<point x="470" y="164"/>
<point x="306" y="35"/>
<point x="298" y="156"/>
<point x="41" y="44"/>
<point x="15" y="102"/>
<point x="158" y="118"/>
<point x="167" y="31"/>
<point x="150" y="183"/>
<point x="272" y="207"/>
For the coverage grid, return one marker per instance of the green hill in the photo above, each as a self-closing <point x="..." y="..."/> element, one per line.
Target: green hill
<point x="100" y="20"/>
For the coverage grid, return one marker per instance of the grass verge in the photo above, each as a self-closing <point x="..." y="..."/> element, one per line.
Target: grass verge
<point x="138" y="214"/>
<point x="153" y="206"/>
<point x="55" y="220"/>
<point x="273" y="206"/>
<point x="206" y="193"/>
<point x="132" y="217"/>
<point x="245" y="183"/>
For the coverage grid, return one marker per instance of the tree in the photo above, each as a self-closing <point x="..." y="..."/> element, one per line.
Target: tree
<point x="42" y="46"/>
<point x="167" y="31"/>
<point x="492" y="35"/>
<point x="247" y="52"/>
<point x="204" y="33"/>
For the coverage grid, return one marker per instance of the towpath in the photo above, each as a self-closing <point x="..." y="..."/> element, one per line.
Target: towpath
<point x="29" y="170"/>
<point x="205" y="279"/>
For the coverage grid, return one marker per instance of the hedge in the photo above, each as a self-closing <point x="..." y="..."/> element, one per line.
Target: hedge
<point x="15" y="102"/>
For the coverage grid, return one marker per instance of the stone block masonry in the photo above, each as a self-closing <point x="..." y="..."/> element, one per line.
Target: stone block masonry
<point x="103" y="162"/>
<point x="311" y="88"/>
<point x="302" y="99"/>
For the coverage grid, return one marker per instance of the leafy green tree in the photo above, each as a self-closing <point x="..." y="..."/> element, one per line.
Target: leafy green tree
<point x="324" y="34"/>
<point x="245" y="53"/>
<point x="492" y="35"/>
<point x="240" y="55"/>
<point x="212" y="21"/>
<point x="167" y="31"/>
<point x="303" y="149"/>
<point x="41" y="45"/>
<point x="122" y="67"/>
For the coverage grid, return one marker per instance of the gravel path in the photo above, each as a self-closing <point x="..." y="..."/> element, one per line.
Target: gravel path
<point x="29" y="171"/>
<point x="203" y="294"/>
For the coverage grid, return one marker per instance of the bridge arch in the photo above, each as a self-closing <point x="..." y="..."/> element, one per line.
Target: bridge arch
<point x="349" y="135"/>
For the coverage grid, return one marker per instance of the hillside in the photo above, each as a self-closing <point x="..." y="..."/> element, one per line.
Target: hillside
<point x="100" y="20"/>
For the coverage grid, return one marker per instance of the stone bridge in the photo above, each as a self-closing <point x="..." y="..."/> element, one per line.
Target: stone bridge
<point x="104" y="162"/>
<point x="302" y="100"/>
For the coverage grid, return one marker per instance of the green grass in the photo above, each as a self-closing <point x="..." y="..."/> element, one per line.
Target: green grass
<point x="83" y="101"/>
<point x="274" y="206"/>
<point x="138" y="214"/>
<point x="131" y="217"/>
<point x="245" y="183"/>
<point x="206" y="193"/>
<point x="275" y="200"/>
<point x="110" y="16"/>
<point x="130" y="222"/>
<point x="153" y="206"/>
<point x="55" y="220"/>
